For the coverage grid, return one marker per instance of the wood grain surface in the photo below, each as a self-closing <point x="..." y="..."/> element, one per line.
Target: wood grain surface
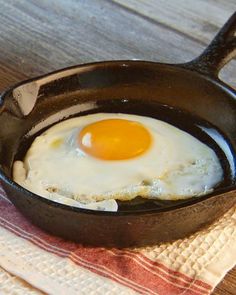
<point x="38" y="36"/>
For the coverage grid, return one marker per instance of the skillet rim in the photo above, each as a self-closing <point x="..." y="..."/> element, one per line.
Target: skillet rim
<point x="120" y="63"/>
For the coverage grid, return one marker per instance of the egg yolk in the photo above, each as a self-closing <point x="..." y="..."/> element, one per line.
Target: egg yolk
<point x="114" y="139"/>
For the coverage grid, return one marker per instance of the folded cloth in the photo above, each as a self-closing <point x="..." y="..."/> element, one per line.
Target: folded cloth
<point x="34" y="262"/>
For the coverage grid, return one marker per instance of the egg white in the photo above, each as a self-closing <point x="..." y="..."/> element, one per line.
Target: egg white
<point x="176" y="166"/>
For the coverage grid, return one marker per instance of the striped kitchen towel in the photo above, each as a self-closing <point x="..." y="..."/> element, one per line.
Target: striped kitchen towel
<point x="34" y="262"/>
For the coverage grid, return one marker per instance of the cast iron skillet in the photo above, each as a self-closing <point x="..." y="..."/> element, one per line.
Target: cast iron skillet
<point x="189" y="96"/>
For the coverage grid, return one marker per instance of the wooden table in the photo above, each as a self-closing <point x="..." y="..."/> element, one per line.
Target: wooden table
<point x="39" y="36"/>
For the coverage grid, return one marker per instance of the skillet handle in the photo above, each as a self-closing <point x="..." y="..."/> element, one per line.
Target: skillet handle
<point x="219" y="52"/>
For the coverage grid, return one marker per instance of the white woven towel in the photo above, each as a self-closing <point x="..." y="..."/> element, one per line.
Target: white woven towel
<point x="32" y="262"/>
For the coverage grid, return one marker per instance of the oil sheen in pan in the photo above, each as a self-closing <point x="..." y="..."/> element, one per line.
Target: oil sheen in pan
<point x="195" y="126"/>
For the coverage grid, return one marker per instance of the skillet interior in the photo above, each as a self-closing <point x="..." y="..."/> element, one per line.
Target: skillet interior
<point x="179" y="96"/>
<point x="185" y="121"/>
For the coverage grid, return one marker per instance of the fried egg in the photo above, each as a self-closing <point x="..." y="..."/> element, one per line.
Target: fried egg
<point x="93" y="160"/>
